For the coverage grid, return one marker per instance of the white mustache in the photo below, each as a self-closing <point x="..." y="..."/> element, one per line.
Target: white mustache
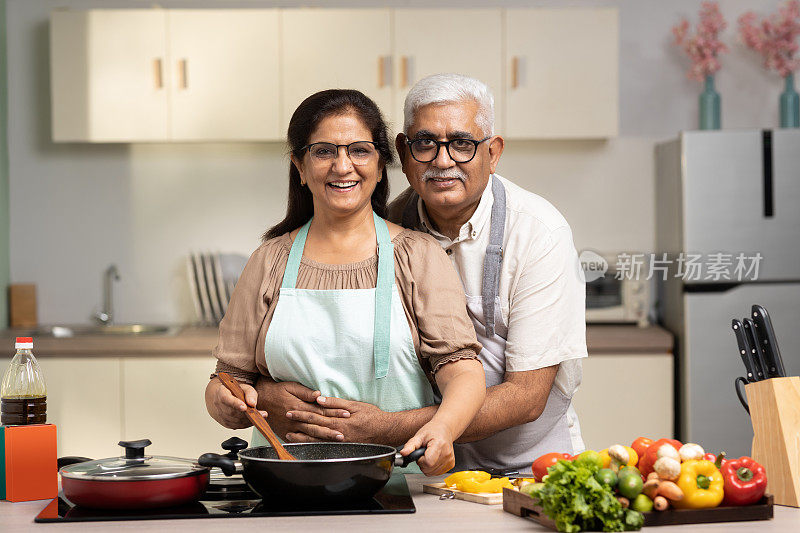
<point x="451" y="173"/>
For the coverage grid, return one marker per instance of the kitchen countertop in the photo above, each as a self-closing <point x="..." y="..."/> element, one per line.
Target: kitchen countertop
<point x="194" y="341"/>
<point x="432" y="515"/>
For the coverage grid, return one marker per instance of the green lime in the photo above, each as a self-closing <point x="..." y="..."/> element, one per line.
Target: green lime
<point x="589" y="458"/>
<point x="529" y="488"/>
<point x="629" y="469"/>
<point x="629" y="485"/>
<point x="642" y="503"/>
<point x="607" y="477"/>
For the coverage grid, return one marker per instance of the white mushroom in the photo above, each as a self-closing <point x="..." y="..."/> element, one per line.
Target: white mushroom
<point x="668" y="450"/>
<point x="668" y="468"/>
<point x="691" y="451"/>
<point x="619" y="456"/>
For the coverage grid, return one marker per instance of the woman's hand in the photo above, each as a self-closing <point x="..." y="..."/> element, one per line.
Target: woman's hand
<point x="226" y="409"/>
<point x="439" y="457"/>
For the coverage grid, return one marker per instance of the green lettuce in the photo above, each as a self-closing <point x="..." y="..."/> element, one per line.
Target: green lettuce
<point x="573" y="498"/>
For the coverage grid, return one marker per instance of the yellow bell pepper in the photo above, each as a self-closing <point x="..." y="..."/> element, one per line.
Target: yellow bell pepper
<point x="476" y="475"/>
<point x="633" y="457"/>
<point x="701" y="483"/>
<point x="491" y="485"/>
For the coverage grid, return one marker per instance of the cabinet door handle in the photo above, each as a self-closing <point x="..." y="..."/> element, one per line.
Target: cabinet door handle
<point x="158" y="73"/>
<point x="183" y="73"/>
<point x="384" y="71"/>
<point x="404" y="72"/>
<point x="514" y="72"/>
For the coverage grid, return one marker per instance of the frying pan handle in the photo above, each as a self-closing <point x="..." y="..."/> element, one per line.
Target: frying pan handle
<point x="225" y="464"/>
<point x="399" y="460"/>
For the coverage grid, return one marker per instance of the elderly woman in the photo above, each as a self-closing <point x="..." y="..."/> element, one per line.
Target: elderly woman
<point x="316" y="304"/>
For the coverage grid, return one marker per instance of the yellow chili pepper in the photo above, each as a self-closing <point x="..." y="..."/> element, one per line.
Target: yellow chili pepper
<point x="476" y="475"/>
<point x="633" y="457"/>
<point x="701" y="483"/>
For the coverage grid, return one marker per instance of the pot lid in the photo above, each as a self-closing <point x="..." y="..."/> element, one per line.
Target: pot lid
<point x="134" y="466"/>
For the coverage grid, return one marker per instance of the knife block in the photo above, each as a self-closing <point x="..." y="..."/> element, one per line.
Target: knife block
<point x="775" y="413"/>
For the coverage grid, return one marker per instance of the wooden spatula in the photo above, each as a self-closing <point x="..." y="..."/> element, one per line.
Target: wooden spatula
<point x="256" y="418"/>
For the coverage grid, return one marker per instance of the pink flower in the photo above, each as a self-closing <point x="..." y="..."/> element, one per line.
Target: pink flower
<point x="775" y="37"/>
<point x="704" y="47"/>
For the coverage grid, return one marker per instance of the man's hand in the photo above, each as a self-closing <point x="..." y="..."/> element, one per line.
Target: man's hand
<point x="285" y="396"/>
<point x="439" y="457"/>
<point x="226" y="409"/>
<point x="363" y="423"/>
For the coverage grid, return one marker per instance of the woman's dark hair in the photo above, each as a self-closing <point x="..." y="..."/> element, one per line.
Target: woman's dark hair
<point x="306" y="118"/>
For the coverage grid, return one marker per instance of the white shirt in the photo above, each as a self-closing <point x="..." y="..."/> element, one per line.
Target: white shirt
<point x="542" y="289"/>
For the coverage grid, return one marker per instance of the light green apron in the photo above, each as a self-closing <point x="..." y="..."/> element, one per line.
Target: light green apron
<point x="353" y="343"/>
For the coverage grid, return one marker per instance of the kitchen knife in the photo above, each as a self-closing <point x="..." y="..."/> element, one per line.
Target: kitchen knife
<point x="755" y="354"/>
<point x="744" y="348"/>
<point x="768" y="342"/>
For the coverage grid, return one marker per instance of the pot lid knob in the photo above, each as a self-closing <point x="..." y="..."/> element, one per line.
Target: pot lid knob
<point x="234" y="445"/>
<point x="134" y="449"/>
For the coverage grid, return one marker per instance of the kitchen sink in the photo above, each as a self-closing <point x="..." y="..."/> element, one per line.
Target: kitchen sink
<point x="112" y="329"/>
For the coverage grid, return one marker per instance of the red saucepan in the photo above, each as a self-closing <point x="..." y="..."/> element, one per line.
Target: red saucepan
<point x="135" y="481"/>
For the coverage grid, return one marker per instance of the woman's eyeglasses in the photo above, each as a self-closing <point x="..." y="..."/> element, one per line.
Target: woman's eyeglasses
<point x="359" y="152"/>
<point x="459" y="150"/>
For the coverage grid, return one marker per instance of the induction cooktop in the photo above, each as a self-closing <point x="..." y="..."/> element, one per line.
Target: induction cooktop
<point x="394" y="497"/>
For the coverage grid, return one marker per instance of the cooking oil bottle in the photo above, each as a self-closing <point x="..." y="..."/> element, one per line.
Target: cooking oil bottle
<point x="23" y="394"/>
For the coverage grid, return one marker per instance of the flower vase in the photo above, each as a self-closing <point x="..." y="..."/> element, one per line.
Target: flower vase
<point x="790" y="104"/>
<point x="709" y="106"/>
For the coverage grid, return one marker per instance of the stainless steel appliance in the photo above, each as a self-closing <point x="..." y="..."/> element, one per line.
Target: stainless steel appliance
<point x="729" y="198"/>
<point x="613" y="298"/>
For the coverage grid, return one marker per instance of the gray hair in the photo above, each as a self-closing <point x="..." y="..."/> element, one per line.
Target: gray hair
<point x="448" y="88"/>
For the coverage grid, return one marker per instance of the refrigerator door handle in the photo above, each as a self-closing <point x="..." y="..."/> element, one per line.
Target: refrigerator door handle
<point x="766" y="163"/>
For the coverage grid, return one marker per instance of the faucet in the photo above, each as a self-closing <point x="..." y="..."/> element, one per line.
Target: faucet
<point x="106" y="315"/>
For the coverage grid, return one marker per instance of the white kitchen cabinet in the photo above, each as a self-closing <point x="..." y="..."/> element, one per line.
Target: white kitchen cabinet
<point x="562" y="73"/>
<point x="431" y="41"/>
<point x="225" y="83"/>
<point x="164" y="401"/>
<point x="107" y="77"/>
<point x="336" y="49"/>
<point x="84" y="402"/>
<point x="625" y="396"/>
<point x="159" y="75"/>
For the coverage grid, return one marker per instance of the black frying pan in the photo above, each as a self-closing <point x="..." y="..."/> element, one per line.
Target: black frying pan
<point x="323" y="472"/>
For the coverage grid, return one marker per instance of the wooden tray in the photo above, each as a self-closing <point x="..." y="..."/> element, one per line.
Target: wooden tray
<point x="520" y="504"/>
<point x="486" y="498"/>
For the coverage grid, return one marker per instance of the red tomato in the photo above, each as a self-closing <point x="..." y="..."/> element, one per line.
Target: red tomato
<point x="541" y="464"/>
<point x="640" y="445"/>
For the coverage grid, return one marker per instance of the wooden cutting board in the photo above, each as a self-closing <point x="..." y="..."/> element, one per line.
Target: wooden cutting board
<point x="486" y="498"/>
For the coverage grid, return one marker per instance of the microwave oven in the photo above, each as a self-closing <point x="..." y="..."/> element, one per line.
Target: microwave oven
<point x="614" y="298"/>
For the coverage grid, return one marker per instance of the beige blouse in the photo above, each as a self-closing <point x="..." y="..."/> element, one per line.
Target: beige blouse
<point x="430" y="290"/>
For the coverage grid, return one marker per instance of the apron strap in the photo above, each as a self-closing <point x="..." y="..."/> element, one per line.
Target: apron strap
<point x="494" y="254"/>
<point x="383" y="298"/>
<point x="295" y="255"/>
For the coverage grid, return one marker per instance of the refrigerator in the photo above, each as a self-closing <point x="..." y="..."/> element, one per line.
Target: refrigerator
<point x="721" y="195"/>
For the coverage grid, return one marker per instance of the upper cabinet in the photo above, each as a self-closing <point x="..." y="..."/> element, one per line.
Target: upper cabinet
<point x="108" y="75"/>
<point x="239" y="74"/>
<point x="335" y="49"/>
<point x="562" y="73"/>
<point x="224" y="74"/>
<point x="430" y="41"/>
<point x="157" y="75"/>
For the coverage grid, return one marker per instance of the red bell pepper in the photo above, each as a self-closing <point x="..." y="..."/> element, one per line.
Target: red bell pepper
<point x="650" y="455"/>
<point x="745" y="481"/>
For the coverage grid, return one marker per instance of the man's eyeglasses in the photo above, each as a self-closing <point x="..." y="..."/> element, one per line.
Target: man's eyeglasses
<point x="359" y="152"/>
<point x="459" y="150"/>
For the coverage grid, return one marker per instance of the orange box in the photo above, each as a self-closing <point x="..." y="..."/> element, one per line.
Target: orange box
<point x="31" y="462"/>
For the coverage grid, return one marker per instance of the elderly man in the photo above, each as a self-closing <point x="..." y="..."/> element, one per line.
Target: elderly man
<point x="521" y="275"/>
